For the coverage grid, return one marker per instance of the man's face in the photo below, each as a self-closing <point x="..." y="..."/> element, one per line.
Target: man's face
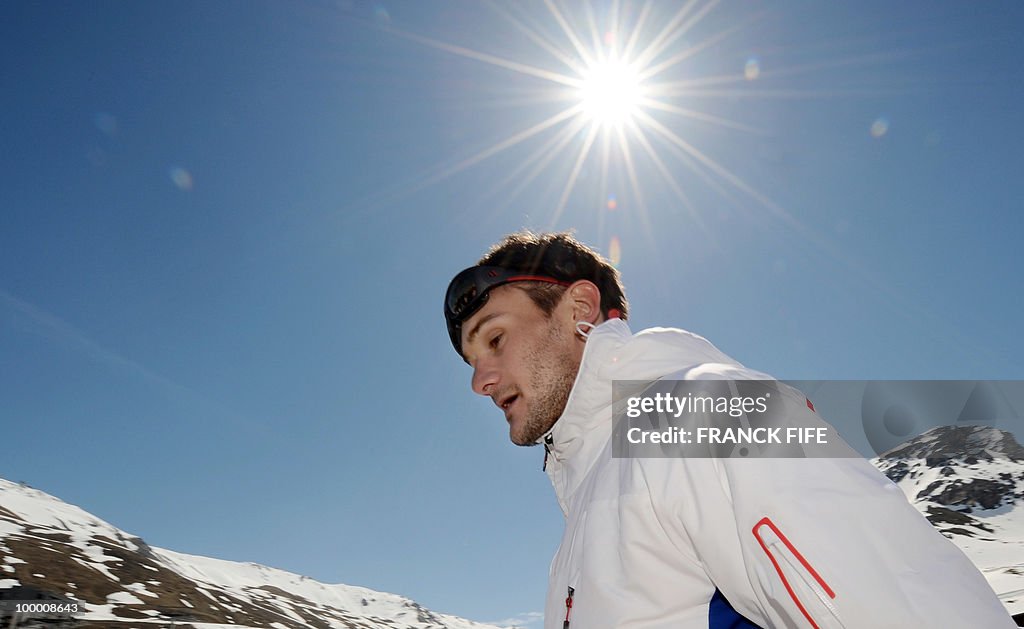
<point x="523" y="360"/>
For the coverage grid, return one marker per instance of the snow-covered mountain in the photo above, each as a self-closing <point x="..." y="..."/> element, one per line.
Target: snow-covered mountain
<point x="51" y="549"/>
<point x="969" y="482"/>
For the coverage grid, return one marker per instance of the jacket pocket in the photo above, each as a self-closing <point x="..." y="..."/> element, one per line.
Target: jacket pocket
<point x="812" y="595"/>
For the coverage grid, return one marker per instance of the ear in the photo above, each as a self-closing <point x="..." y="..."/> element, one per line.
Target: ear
<point x="584" y="297"/>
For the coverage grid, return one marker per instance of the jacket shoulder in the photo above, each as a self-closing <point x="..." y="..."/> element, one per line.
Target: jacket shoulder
<point x="677" y="354"/>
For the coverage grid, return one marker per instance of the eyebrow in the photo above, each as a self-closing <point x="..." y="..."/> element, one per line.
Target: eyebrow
<point x="476" y="328"/>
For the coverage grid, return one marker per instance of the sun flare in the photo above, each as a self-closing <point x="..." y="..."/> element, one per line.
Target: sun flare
<point x="610" y="93"/>
<point x="617" y="84"/>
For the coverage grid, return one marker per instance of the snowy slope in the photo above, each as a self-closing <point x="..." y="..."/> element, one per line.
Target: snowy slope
<point x="969" y="482"/>
<point x="48" y="547"/>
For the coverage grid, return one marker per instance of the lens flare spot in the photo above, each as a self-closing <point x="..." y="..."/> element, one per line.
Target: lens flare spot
<point x="609" y="38"/>
<point x="612" y="203"/>
<point x="615" y="251"/>
<point x="752" y="69"/>
<point x="181" y="178"/>
<point x="879" y="128"/>
<point x="106" y="123"/>
<point x="381" y="15"/>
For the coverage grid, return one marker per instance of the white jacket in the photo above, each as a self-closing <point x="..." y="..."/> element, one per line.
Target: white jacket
<point x="687" y="543"/>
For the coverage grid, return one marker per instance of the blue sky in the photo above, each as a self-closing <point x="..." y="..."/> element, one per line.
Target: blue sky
<point x="226" y="228"/>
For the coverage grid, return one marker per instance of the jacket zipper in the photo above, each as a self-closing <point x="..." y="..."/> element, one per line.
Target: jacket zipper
<point x="799" y="568"/>
<point x="568" y="608"/>
<point x="811" y="583"/>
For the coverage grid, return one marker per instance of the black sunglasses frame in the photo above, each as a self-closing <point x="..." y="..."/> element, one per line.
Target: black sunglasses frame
<point x="467" y="293"/>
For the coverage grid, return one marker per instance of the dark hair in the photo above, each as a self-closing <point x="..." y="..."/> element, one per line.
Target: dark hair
<point x="561" y="256"/>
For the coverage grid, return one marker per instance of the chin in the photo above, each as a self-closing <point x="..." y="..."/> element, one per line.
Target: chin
<point x="517" y="437"/>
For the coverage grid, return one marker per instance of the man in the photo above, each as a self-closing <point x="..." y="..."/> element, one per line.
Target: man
<point x="686" y="542"/>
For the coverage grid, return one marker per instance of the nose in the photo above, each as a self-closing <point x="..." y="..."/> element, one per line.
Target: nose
<point x="485" y="376"/>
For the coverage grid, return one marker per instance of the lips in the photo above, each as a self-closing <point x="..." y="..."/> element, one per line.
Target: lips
<point x="506" y="403"/>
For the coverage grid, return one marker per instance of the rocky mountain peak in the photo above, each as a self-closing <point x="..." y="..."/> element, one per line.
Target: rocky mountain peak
<point x="967" y="443"/>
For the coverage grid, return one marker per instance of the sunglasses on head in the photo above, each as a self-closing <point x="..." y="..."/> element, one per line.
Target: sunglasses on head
<point x="467" y="293"/>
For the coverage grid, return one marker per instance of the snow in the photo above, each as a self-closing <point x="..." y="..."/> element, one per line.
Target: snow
<point x="97" y="558"/>
<point x="97" y="612"/>
<point x="124" y="598"/>
<point x="140" y="588"/>
<point x="7" y="527"/>
<point x="42" y="509"/>
<point x="245" y="577"/>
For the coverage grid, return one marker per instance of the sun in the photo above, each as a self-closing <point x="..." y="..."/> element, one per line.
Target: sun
<point x="615" y="86"/>
<point x="610" y="93"/>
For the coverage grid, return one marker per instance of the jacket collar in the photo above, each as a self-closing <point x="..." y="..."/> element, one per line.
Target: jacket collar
<point x="612" y="352"/>
<point x="587" y="399"/>
<point x="574" y="442"/>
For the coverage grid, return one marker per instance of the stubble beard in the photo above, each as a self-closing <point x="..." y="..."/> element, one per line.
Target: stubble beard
<point x="553" y="374"/>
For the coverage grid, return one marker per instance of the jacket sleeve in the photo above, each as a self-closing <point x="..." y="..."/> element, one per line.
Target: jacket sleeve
<point x="826" y="543"/>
